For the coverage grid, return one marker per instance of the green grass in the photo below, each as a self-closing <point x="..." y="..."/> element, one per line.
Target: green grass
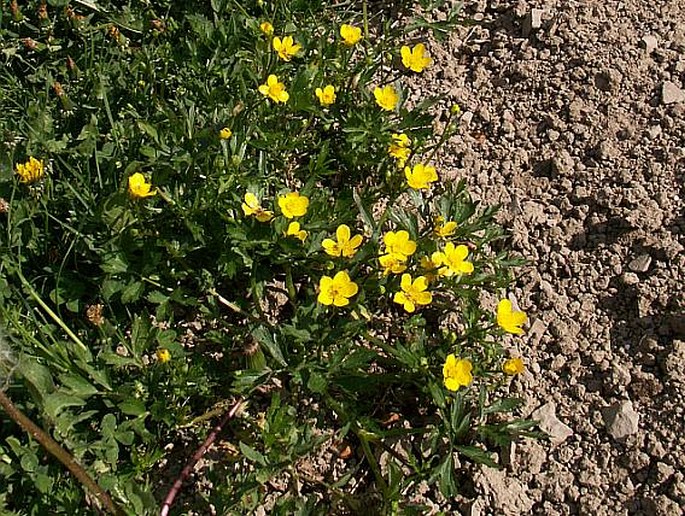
<point x="99" y="287"/>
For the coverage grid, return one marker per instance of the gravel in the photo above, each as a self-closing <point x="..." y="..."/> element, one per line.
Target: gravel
<point x="574" y="122"/>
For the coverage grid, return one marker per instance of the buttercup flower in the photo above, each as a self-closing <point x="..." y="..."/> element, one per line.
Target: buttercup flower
<point x="457" y="372"/>
<point x="421" y="176"/>
<point x="163" y="355"/>
<point x="513" y="366"/>
<point x="444" y="229"/>
<point x="295" y="230"/>
<point x="452" y="260"/>
<point x="392" y="263"/>
<point x="350" y="34"/>
<point x="345" y="246"/>
<point x="326" y="96"/>
<point x="138" y="187"/>
<point x="336" y="290"/>
<point x="386" y="97"/>
<point x="225" y="133"/>
<point x="31" y="171"/>
<point x="286" y="47"/>
<point x="415" y="59"/>
<point x="274" y="89"/>
<point x="413" y="293"/>
<point x="509" y="319"/>
<point x="252" y="207"/>
<point x="399" y="243"/>
<point x="293" y="205"/>
<point x="266" y="28"/>
<point x="400" y="148"/>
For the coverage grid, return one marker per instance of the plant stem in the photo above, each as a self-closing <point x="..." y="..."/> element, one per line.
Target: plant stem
<point x="52" y="314"/>
<point x="171" y="495"/>
<point x="59" y="453"/>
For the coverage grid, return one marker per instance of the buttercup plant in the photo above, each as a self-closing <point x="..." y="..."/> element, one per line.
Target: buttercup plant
<point x="243" y="239"/>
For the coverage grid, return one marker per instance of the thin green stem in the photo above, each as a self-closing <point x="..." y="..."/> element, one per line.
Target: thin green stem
<point x="51" y="313"/>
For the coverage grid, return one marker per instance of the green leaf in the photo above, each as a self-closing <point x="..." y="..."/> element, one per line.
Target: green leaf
<point x="477" y="455"/>
<point x="56" y="402"/>
<point x="504" y="405"/>
<point x="252" y="454"/>
<point x="133" y="407"/>
<point x="37" y="375"/>
<point x="114" y="264"/>
<point x="317" y="383"/>
<point x="265" y="338"/>
<point x="78" y="385"/>
<point x="132" y="292"/>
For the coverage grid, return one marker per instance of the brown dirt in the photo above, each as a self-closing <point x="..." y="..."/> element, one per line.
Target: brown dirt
<point x="577" y="129"/>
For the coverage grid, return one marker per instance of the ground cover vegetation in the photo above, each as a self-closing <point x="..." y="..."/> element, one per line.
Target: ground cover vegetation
<point x="230" y="208"/>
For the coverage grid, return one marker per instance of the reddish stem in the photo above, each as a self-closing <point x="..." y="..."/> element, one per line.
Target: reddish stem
<point x="171" y="495"/>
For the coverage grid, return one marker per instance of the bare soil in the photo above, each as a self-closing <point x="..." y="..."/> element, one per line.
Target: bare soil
<point x="574" y="121"/>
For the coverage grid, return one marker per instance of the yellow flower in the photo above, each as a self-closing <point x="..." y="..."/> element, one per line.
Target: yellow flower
<point x="444" y="229"/>
<point x="415" y="59"/>
<point x="326" y="96"/>
<point x="225" y="133"/>
<point x="392" y="263"/>
<point x="457" y="372"/>
<point x="509" y="319"/>
<point x="452" y="260"/>
<point x="252" y="206"/>
<point x="399" y="243"/>
<point x="293" y="205"/>
<point x="337" y="290"/>
<point x="286" y="47"/>
<point x="163" y="355"/>
<point x="386" y="97"/>
<point x="31" y="171"/>
<point x="266" y="28"/>
<point x="413" y="293"/>
<point x="513" y="366"/>
<point x="138" y="187"/>
<point x="421" y="176"/>
<point x="274" y="89"/>
<point x="350" y="34"/>
<point x="400" y="148"/>
<point x="345" y="246"/>
<point x="295" y="230"/>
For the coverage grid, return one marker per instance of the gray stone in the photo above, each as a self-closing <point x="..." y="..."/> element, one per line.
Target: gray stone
<point x="621" y="420"/>
<point x="671" y="93"/>
<point x="550" y="424"/>
<point x="641" y="263"/>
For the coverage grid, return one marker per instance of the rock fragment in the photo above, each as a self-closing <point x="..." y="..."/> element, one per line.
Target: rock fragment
<point x="502" y="492"/>
<point x="641" y="263"/>
<point x="532" y="21"/>
<point x="621" y="420"/>
<point x="649" y="43"/>
<point x="550" y="424"/>
<point x="671" y="93"/>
